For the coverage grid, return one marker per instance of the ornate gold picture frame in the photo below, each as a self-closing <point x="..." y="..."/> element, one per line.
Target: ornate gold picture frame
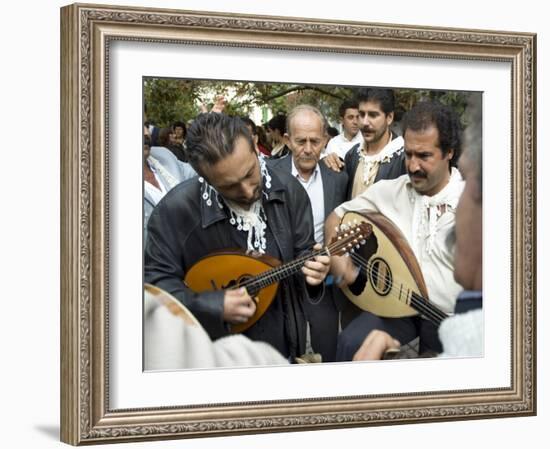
<point x="87" y="413"/>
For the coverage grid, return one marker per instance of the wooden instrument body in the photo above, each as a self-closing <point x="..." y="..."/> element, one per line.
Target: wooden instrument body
<point x="230" y="269"/>
<point x="393" y="271"/>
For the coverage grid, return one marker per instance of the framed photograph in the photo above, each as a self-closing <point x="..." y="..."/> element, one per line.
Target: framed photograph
<point x="107" y="52"/>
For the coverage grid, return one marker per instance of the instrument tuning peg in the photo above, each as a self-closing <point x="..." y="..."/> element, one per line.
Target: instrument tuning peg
<point x="363" y="242"/>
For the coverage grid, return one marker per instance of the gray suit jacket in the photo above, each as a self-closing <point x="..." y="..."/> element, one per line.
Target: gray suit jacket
<point x="180" y="171"/>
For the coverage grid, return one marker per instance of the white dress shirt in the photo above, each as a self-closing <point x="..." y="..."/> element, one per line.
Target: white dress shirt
<point x="156" y="192"/>
<point x="314" y="189"/>
<point x="340" y="144"/>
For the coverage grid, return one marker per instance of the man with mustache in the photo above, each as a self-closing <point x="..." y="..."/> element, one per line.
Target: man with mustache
<point x="380" y="155"/>
<point x="422" y="205"/>
<point x="236" y="202"/>
<point x="461" y="334"/>
<point x="306" y="136"/>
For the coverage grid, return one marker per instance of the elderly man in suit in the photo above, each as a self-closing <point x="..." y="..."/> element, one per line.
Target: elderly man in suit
<point x="306" y="137"/>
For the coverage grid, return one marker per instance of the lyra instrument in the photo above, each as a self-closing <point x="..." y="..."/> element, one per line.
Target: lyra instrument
<point x="260" y="274"/>
<point x="395" y="285"/>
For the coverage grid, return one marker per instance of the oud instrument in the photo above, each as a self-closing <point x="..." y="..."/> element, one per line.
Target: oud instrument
<point x="395" y="286"/>
<point x="260" y="274"/>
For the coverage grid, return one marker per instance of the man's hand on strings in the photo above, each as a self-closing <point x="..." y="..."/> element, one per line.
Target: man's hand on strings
<point x="316" y="269"/>
<point x="238" y="306"/>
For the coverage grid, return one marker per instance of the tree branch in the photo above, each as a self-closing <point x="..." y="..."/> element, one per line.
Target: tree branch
<point x="300" y="89"/>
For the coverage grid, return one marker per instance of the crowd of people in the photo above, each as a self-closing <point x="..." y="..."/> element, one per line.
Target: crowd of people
<point x="281" y="190"/>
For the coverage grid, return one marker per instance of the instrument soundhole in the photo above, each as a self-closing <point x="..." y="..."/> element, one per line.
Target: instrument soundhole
<point x="380" y="276"/>
<point x="236" y="283"/>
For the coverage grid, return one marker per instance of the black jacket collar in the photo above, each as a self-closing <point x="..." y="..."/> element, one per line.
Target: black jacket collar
<point x="213" y="213"/>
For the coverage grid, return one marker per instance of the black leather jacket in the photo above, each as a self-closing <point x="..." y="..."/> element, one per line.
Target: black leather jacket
<point x="183" y="228"/>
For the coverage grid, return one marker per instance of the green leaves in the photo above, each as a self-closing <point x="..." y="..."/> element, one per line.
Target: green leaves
<point x="169" y="99"/>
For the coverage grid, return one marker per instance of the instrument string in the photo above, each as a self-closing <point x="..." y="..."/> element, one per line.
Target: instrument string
<point x="418" y="303"/>
<point x="271" y="276"/>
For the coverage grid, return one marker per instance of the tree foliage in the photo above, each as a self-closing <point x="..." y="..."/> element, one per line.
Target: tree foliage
<point x="407" y="98"/>
<point x="169" y="100"/>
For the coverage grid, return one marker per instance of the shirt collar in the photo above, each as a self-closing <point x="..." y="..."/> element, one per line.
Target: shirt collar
<point x="392" y="148"/>
<point x="296" y="174"/>
<point x="353" y="139"/>
<point x="151" y="165"/>
<point x="448" y="195"/>
<point x="277" y="149"/>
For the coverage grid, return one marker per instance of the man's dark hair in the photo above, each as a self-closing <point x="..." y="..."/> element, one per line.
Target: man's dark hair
<point x="384" y="97"/>
<point x="180" y="124"/>
<point x="433" y="113"/>
<point x="211" y="138"/>
<point x="348" y="103"/>
<point x="332" y="131"/>
<point x="164" y="137"/>
<point x="278" y="122"/>
<point x="249" y="122"/>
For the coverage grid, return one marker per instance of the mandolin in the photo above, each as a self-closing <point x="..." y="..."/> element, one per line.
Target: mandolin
<point x="260" y="273"/>
<point x="395" y="286"/>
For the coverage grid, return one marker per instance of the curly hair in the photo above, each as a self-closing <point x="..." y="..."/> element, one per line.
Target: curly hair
<point x="425" y="114"/>
<point x="181" y="125"/>
<point x="211" y="138"/>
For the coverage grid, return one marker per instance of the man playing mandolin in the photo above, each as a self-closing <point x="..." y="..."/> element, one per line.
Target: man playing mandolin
<point x="236" y="202"/>
<point x="422" y="205"/>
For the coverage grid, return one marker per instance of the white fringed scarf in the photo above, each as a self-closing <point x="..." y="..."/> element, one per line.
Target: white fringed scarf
<point x="371" y="162"/>
<point x="252" y="221"/>
<point x="428" y="209"/>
